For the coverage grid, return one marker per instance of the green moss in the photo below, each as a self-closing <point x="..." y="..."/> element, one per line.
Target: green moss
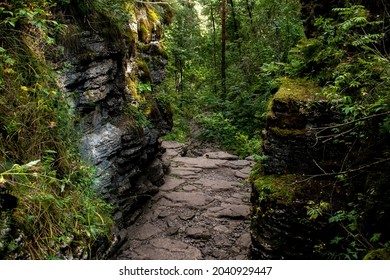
<point x="143" y="69"/>
<point x="378" y="254"/>
<point x="277" y="188"/>
<point x="152" y="16"/>
<point x="144" y="31"/>
<point x="288" y="132"/>
<point x="297" y="90"/>
<point x="153" y="49"/>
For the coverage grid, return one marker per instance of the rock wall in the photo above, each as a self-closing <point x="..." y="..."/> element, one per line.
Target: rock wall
<point x="293" y="147"/>
<point x="316" y="165"/>
<point x="293" y="141"/>
<point x="105" y="68"/>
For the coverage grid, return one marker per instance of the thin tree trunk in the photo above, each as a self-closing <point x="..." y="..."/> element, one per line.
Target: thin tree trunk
<point x="223" y="49"/>
<point x="249" y="9"/>
<point x="214" y="49"/>
<point x="235" y="24"/>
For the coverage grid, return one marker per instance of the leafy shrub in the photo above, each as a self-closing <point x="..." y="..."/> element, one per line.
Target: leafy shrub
<point x="59" y="218"/>
<point x="218" y="129"/>
<point x="344" y="58"/>
<point x="58" y="213"/>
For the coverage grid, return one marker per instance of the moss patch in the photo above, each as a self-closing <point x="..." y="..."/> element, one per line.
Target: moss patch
<point x="143" y="70"/>
<point x="378" y="254"/>
<point x="297" y="90"/>
<point x="277" y="188"/>
<point x="288" y="132"/>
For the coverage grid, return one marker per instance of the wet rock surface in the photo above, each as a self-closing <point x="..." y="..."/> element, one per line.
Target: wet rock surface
<point x="201" y="212"/>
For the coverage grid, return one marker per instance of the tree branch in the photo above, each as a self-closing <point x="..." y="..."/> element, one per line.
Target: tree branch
<point x="351" y="122"/>
<point x="361" y="168"/>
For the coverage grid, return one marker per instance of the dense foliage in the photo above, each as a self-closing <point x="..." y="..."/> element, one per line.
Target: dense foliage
<point x="58" y="214"/>
<point x="259" y="35"/>
<point x="349" y="59"/>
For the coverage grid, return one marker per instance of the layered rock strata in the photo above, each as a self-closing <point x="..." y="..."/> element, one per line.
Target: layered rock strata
<point x="294" y="146"/>
<point x="105" y="71"/>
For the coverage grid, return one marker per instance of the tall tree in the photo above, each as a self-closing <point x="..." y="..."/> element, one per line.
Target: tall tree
<point x="223" y="49"/>
<point x="212" y="18"/>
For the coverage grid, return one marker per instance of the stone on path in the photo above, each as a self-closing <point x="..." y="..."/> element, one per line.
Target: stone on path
<point x="203" y="163"/>
<point x="229" y="211"/>
<point x="220" y="155"/>
<point x="244" y="241"/>
<point x="240" y="175"/>
<point x="172" y="145"/>
<point x="144" y="231"/>
<point x="198" y="233"/>
<point x="168" y="249"/>
<point x="217" y="185"/>
<point x="185" y="173"/>
<point x="171" y="183"/>
<point x="237" y="164"/>
<point x="186" y="199"/>
<point x="189" y="188"/>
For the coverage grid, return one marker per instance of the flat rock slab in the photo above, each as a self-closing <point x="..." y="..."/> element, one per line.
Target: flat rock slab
<point x="189" y="169"/>
<point x="240" y="175"/>
<point x="170" y="154"/>
<point x="194" y="199"/>
<point x="189" y="188"/>
<point x="234" y="211"/>
<point x="231" y="211"/>
<point x="172" y="145"/>
<point x="200" y="162"/>
<point x="171" y="183"/>
<point x="168" y="249"/>
<point x="184" y="173"/>
<point x="244" y="241"/>
<point x="144" y="232"/>
<point x="220" y="155"/>
<point x="198" y="233"/>
<point x="237" y="164"/>
<point x="217" y="185"/>
<point x="246" y="170"/>
<point x="222" y="229"/>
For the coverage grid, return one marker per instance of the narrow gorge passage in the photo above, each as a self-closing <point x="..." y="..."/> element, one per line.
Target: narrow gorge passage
<point x="201" y="212"/>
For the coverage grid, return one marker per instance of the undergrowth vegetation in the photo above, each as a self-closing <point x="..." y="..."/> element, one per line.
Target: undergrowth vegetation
<point x="258" y="39"/>
<point x="346" y="59"/>
<point x="58" y="214"/>
<point x="349" y="58"/>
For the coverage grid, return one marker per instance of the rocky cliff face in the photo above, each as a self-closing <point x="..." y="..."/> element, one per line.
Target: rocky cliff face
<point x="109" y="77"/>
<point x="293" y="143"/>
<point x="281" y="228"/>
<point x="303" y="180"/>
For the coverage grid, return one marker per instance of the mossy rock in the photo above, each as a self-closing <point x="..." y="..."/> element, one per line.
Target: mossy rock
<point x="282" y="189"/>
<point x="144" y="31"/>
<point x="281" y="132"/>
<point x="378" y="254"/>
<point x="143" y="70"/>
<point x="298" y="90"/>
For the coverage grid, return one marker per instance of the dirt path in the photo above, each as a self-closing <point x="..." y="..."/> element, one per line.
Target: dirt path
<point x="201" y="212"/>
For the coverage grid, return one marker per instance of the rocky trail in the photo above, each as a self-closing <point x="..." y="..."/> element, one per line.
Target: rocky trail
<point x="201" y="212"/>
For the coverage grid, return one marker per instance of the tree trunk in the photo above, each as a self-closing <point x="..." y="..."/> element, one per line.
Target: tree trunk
<point x="249" y="8"/>
<point x="214" y="49"/>
<point x="235" y="24"/>
<point x="223" y="49"/>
